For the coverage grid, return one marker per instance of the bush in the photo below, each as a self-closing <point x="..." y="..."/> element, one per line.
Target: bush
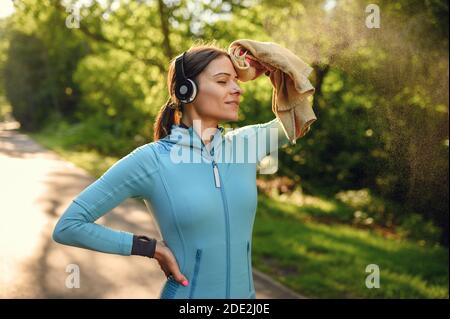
<point x="5" y="109"/>
<point x="369" y="209"/>
<point x="92" y="134"/>
<point x="414" y="226"/>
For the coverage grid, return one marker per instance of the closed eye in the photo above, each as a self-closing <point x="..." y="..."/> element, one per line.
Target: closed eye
<point x="237" y="81"/>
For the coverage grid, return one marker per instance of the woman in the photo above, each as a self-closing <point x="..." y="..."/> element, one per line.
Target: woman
<point x="199" y="181"/>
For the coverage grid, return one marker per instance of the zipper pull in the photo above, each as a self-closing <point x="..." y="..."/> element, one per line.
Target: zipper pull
<point x="216" y="174"/>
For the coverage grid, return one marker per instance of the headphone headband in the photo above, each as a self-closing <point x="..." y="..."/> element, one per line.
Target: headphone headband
<point x="179" y="66"/>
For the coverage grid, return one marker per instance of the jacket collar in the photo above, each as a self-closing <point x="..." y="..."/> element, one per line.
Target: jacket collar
<point x="186" y="136"/>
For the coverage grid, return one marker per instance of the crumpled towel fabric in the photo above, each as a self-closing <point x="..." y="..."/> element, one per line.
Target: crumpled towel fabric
<point x="292" y="91"/>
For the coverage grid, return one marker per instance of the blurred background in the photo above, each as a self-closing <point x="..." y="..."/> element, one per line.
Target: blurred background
<point x="368" y="185"/>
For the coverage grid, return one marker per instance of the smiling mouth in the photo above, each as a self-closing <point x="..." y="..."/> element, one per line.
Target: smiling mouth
<point x="233" y="103"/>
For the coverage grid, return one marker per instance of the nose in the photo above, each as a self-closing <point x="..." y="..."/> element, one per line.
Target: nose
<point x="237" y="89"/>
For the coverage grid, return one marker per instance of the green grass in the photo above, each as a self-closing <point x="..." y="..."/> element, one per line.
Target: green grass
<point x="91" y="161"/>
<point x="328" y="260"/>
<point x="313" y="249"/>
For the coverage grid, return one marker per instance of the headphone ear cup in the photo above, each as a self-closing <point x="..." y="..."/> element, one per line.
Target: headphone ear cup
<point x="186" y="91"/>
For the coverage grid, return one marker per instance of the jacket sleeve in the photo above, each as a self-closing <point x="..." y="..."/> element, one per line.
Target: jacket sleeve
<point x="259" y="140"/>
<point x="128" y="177"/>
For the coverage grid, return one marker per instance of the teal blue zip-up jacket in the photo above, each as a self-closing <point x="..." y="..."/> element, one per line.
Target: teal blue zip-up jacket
<point x="203" y="198"/>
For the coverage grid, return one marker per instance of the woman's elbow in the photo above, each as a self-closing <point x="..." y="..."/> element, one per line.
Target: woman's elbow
<point x="65" y="231"/>
<point x="59" y="234"/>
<point x="67" y="228"/>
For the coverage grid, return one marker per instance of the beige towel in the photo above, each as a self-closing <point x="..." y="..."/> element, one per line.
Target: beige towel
<point x="289" y="77"/>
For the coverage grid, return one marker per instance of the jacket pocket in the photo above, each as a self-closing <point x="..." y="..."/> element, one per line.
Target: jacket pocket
<point x="249" y="267"/>
<point x="198" y="257"/>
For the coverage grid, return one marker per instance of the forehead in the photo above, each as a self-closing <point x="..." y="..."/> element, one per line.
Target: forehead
<point x="220" y="64"/>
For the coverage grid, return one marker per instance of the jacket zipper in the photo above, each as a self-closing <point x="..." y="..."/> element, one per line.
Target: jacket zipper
<point x="217" y="183"/>
<point x="227" y="222"/>
<point x="198" y="257"/>
<point x="216" y="174"/>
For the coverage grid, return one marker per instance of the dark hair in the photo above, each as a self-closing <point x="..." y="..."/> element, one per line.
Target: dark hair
<point x="196" y="60"/>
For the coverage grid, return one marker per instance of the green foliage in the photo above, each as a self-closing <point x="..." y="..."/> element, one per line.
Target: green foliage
<point x="416" y="227"/>
<point x="38" y="73"/>
<point x="119" y="93"/>
<point x="95" y="133"/>
<point x="26" y="79"/>
<point x="381" y="101"/>
<point x="59" y="137"/>
<point x="369" y="208"/>
<point x="5" y="108"/>
<point x="340" y="148"/>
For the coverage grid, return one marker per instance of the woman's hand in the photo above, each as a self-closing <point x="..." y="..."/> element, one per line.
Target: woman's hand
<point x="259" y="68"/>
<point x="247" y="66"/>
<point x="168" y="263"/>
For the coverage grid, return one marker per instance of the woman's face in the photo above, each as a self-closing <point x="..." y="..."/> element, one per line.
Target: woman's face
<point x="218" y="86"/>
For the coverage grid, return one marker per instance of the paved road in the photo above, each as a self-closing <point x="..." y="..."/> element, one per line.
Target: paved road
<point x="36" y="187"/>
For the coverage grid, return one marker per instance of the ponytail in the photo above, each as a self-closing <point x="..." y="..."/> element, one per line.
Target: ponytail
<point x="168" y="115"/>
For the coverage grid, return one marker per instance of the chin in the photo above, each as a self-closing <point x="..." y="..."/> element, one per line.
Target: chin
<point x="234" y="117"/>
<point x="231" y="117"/>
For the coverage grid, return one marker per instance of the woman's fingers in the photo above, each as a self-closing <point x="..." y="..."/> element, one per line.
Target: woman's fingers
<point x="168" y="264"/>
<point x="259" y="68"/>
<point x="166" y="272"/>
<point x="175" y="271"/>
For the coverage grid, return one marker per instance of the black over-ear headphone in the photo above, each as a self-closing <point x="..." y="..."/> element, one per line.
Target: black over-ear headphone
<point x="185" y="88"/>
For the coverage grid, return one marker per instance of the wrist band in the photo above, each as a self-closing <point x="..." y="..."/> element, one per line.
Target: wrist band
<point x="143" y="246"/>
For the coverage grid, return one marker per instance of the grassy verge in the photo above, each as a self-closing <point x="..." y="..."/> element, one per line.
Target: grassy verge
<point x="329" y="260"/>
<point x="91" y="161"/>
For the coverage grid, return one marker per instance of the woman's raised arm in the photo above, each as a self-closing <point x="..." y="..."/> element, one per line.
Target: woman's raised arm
<point x="259" y="140"/>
